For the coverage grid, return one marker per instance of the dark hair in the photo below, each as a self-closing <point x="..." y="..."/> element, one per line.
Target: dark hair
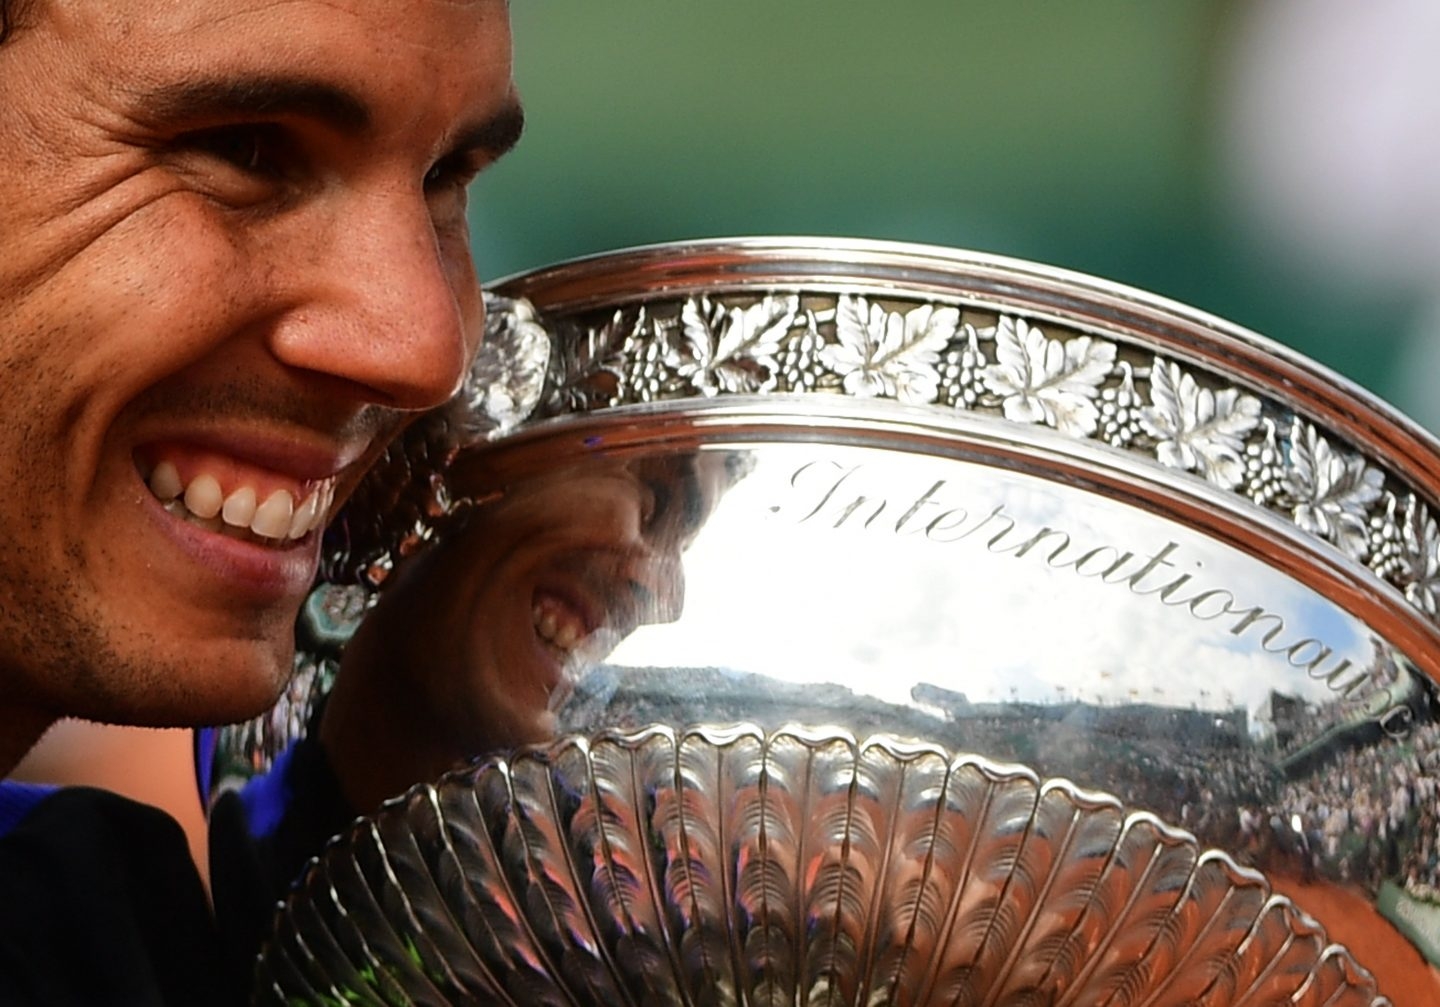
<point x="13" y="15"/>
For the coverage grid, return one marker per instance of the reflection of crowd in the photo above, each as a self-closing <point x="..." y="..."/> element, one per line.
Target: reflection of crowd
<point x="1194" y="787"/>
<point x="1149" y="757"/>
<point x="1299" y="725"/>
<point x="1371" y="813"/>
<point x="1363" y="814"/>
<point x="1366" y="811"/>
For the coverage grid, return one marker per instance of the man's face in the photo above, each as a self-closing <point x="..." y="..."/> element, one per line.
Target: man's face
<point x="233" y="259"/>
<point x="488" y="629"/>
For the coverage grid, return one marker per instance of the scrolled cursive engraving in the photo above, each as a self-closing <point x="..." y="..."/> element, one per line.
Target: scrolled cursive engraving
<point x="839" y="495"/>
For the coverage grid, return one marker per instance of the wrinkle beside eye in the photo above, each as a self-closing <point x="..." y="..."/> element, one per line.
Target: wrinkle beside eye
<point x="108" y="203"/>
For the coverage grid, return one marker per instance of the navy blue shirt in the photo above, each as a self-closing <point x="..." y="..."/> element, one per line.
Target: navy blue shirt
<point x="100" y="902"/>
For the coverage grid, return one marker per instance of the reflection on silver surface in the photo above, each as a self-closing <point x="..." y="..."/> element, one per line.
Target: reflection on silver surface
<point x="720" y="867"/>
<point x="948" y="500"/>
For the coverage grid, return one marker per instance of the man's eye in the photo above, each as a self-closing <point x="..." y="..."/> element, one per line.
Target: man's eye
<point x="447" y="189"/>
<point x="657" y="503"/>
<point x="457" y="170"/>
<point x="254" y="148"/>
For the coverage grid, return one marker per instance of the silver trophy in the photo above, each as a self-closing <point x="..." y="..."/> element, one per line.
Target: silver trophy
<point x="841" y="622"/>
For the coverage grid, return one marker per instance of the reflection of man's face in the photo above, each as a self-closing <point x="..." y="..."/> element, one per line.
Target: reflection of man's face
<point x="233" y="255"/>
<point x="494" y="621"/>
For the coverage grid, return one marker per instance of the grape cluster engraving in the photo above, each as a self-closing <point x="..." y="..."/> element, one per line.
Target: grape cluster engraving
<point x="998" y="364"/>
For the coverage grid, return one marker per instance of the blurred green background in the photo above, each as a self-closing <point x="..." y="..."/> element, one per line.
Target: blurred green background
<point x="1081" y="135"/>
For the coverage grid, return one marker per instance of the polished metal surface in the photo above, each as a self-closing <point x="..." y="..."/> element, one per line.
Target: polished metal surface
<point x="960" y="505"/>
<point x="720" y="867"/>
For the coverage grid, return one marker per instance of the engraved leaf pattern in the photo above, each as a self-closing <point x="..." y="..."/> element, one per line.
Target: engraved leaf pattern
<point x="349" y="934"/>
<point x="1274" y="960"/>
<point x="1206" y="929"/>
<point x="382" y="913"/>
<point x="1071" y="841"/>
<point x="537" y="837"/>
<point x="911" y="887"/>
<point x="731" y="349"/>
<point x="1150" y="868"/>
<point x="727" y="866"/>
<point x="700" y="819"/>
<point x="1333" y="490"/>
<point x="1419" y="553"/>
<point x="327" y="950"/>
<point x="834" y="849"/>
<point x="608" y="834"/>
<point x="770" y="886"/>
<point x="884" y="867"/>
<point x="494" y="914"/>
<point x="1035" y="858"/>
<point x="449" y="957"/>
<point x="883" y="353"/>
<point x="300" y="954"/>
<point x="1198" y="429"/>
<point x="1049" y="381"/>
<point x="979" y="902"/>
<point x="961" y="800"/>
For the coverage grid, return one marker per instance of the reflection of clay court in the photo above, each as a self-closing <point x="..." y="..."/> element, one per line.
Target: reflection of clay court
<point x="1351" y="919"/>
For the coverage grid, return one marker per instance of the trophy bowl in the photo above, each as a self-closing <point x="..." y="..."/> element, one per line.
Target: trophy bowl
<point x="849" y="622"/>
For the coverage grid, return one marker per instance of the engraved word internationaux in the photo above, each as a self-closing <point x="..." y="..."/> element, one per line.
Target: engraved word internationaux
<point x="836" y="495"/>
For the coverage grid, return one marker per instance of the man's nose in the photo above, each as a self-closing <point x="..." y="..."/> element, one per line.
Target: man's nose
<point x="380" y="307"/>
<point x="657" y="579"/>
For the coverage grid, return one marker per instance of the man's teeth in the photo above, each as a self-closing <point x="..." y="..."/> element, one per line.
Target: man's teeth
<point x="556" y="627"/>
<point x="165" y="482"/>
<point x="276" y="517"/>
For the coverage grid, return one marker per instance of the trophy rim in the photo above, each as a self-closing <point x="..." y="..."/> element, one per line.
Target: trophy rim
<point x="1071" y="297"/>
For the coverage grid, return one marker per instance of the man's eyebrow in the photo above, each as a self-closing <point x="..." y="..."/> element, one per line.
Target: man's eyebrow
<point x="202" y="99"/>
<point x="496" y="134"/>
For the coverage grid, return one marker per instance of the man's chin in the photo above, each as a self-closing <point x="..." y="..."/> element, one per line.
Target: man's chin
<point x="216" y="683"/>
<point x="240" y="690"/>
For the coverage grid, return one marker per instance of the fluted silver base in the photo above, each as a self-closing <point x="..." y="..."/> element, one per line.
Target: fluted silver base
<point x="724" y="865"/>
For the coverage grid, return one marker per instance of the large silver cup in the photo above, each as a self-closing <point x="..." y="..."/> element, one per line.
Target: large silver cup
<point x="848" y="622"/>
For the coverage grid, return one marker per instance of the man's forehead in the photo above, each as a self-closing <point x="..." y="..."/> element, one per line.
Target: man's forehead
<point x="342" y="61"/>
<point x="279" y="28"/>
<point x="168" y="12"/>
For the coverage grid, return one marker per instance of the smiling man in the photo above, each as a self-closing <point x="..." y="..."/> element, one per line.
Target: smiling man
<point x="233" y="261"/>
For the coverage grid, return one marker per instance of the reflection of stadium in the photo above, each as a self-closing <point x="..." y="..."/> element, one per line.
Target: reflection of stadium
<point x="1346" y="790"/>
<point x="1369" y="812"/>
<point x="1191" y="767"/>
<point x="1362" y="779"/>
